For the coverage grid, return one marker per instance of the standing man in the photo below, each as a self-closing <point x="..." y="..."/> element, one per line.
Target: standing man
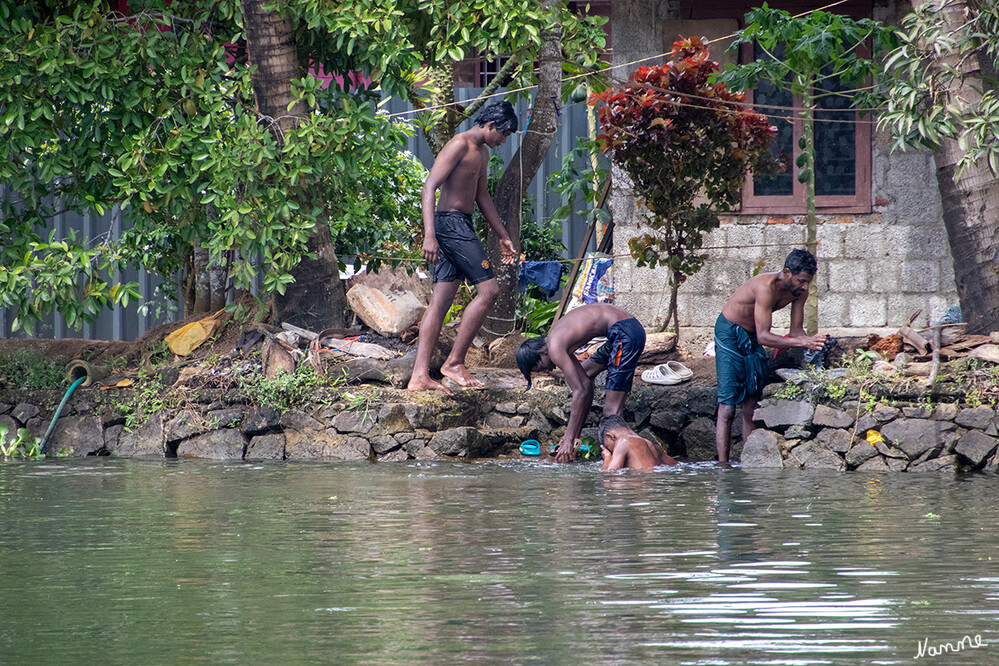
<point x="451" y="244"/>
<point x="741" y="331"/>
<point x="618" y="356"/>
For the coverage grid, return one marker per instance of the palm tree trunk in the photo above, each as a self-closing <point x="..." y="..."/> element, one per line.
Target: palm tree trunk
<point x="317" y="298"/>
<point x="970" y="200"/>
<point x="270" y="45"/>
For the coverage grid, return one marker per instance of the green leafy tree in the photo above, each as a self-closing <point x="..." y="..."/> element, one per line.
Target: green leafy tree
<point x="150" y="112"/>
<point x="809" y="55"/>
<point x="944" y="96"/>
<point x="220" y="166"/>
<point x="413" y="46"/>
<point x="686" y="145"/>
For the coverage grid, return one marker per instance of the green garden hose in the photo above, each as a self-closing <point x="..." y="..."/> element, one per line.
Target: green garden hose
<point x="48" y="433"/>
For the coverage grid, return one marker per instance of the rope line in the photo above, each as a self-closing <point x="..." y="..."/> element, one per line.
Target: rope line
<point x="595" y="73"/>
<point x="606" y="256"/>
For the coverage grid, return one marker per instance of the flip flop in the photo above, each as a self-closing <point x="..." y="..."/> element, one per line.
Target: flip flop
<point x="661" y="374"/>
<point x="681" y="371"/>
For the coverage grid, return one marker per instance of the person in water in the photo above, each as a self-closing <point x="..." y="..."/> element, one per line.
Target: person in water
<point x="622" y="447"/>
<point x="452" y="246"/>
<point x="741" y="331"/>
<point x="618" y="356"/>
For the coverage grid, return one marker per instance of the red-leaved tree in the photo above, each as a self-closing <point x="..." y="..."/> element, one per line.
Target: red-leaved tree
<point x="687" y="145"/>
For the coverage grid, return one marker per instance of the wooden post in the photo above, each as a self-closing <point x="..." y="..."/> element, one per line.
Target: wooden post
<point x="574" y="273"/>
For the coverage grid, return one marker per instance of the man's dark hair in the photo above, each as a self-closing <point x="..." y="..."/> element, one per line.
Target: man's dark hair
<point x="528" y="356"/>
<point x="501" y="113"/>
<point x="610" y="422"/>
<point x="799" y="260"/>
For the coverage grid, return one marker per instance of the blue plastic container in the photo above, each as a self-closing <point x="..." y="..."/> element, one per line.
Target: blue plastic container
<point x="531" y="447"/>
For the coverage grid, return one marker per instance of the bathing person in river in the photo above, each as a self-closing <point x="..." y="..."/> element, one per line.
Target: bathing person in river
<point x="743" y="328"/>
<point x="618" y="356"/>
<point x="450" y="242"/>
<point x="622" y="447"/>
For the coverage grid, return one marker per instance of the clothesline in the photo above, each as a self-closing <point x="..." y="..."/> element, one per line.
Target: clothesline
<point x="608" y="256"/>
<point x="588" y="74"/>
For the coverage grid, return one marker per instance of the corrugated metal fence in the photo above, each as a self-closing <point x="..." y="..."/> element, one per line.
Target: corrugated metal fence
<point x="132" y="322"/>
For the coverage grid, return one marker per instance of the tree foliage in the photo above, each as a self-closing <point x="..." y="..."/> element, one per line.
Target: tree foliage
<point x="151" y="112"/>
<point x="686" y="144"/>
<point x="811" y="55"/>
<point x="154" y="112"/>
<point x="922" y="106"/>
<point x="397" y="41"/>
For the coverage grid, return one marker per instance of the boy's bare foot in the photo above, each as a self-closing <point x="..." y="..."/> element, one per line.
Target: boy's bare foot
<point x="427" y="384"/>
<point x="461" y="375"/>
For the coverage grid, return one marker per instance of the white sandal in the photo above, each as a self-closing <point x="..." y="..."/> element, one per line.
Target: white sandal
<point x="680" y="370"/>
<point x="661" y="374"/>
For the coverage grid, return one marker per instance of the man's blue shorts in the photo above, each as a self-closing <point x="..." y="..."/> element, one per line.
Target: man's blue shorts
<point x="625" y="344"/>
<point x="461" y="251"/>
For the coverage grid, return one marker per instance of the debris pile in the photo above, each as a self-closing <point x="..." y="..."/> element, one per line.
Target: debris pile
<point x="920" y="352"/>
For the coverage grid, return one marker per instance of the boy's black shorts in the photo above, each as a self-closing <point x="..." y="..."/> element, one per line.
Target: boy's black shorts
<point x="461" y="251"/>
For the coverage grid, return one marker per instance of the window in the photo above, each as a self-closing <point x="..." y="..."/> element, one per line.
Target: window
<point x="842" y="155"/>
<point x="488" y="68"/>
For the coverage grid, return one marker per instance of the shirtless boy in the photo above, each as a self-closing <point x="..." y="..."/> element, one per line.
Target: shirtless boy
<point x="741" y="331"/>
<point x="622" y="447"/>
<point x="618" y="356"/>
<point x="451" y="244"/>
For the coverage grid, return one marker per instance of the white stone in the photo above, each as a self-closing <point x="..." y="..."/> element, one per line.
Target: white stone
<point x="389" y="313"/>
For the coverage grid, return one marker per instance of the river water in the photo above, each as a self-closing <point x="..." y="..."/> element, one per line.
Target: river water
<point x="132" y="562"/>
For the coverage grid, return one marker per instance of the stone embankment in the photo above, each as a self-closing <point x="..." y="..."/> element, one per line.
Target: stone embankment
<point x="389" y="425"/>
<point x="359" y="424"/>
<point x="874" y="437"/>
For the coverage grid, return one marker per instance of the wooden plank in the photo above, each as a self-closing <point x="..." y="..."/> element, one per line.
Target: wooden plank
<point x="574" y="273"/>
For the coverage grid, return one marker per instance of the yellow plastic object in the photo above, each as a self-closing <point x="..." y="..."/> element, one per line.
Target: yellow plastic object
<point x="187" y="338"/>
<point x="874" y="437"/>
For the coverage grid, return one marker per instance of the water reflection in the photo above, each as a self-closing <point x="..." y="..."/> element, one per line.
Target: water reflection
<point x="174" y="561"/>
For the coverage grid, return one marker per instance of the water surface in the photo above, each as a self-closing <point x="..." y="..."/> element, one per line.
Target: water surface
<point x="125" y="561"/>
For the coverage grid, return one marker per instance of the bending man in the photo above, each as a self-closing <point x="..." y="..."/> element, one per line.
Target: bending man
<point x="451" y="244"/>
<point x="741" y="331"/>
<point x="618" y="356"/>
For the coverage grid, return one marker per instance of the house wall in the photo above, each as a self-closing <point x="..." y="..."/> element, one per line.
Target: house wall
<point x="875" y="269"/>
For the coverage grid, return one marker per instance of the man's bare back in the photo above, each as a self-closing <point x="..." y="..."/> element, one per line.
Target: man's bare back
<point x="637" y="453"/>
<point x="622" y="447"/>
<point x="583" y="324"/>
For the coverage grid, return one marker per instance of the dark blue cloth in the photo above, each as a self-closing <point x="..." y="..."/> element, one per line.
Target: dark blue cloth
<point x="740" y="363"/>
<point x="545" y="274"/>
<point x="625" y="344"/>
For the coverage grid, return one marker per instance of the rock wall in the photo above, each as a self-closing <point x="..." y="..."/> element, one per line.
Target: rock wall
<point x="364" y="424"/>
<point x="874" y="437"/>
<point x="391" y="425"/>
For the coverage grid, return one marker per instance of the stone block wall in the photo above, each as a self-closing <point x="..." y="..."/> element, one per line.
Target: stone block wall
<point x="387" y="425"/>
<point x="875" y="269"/>
<point x="882" y="438"/>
